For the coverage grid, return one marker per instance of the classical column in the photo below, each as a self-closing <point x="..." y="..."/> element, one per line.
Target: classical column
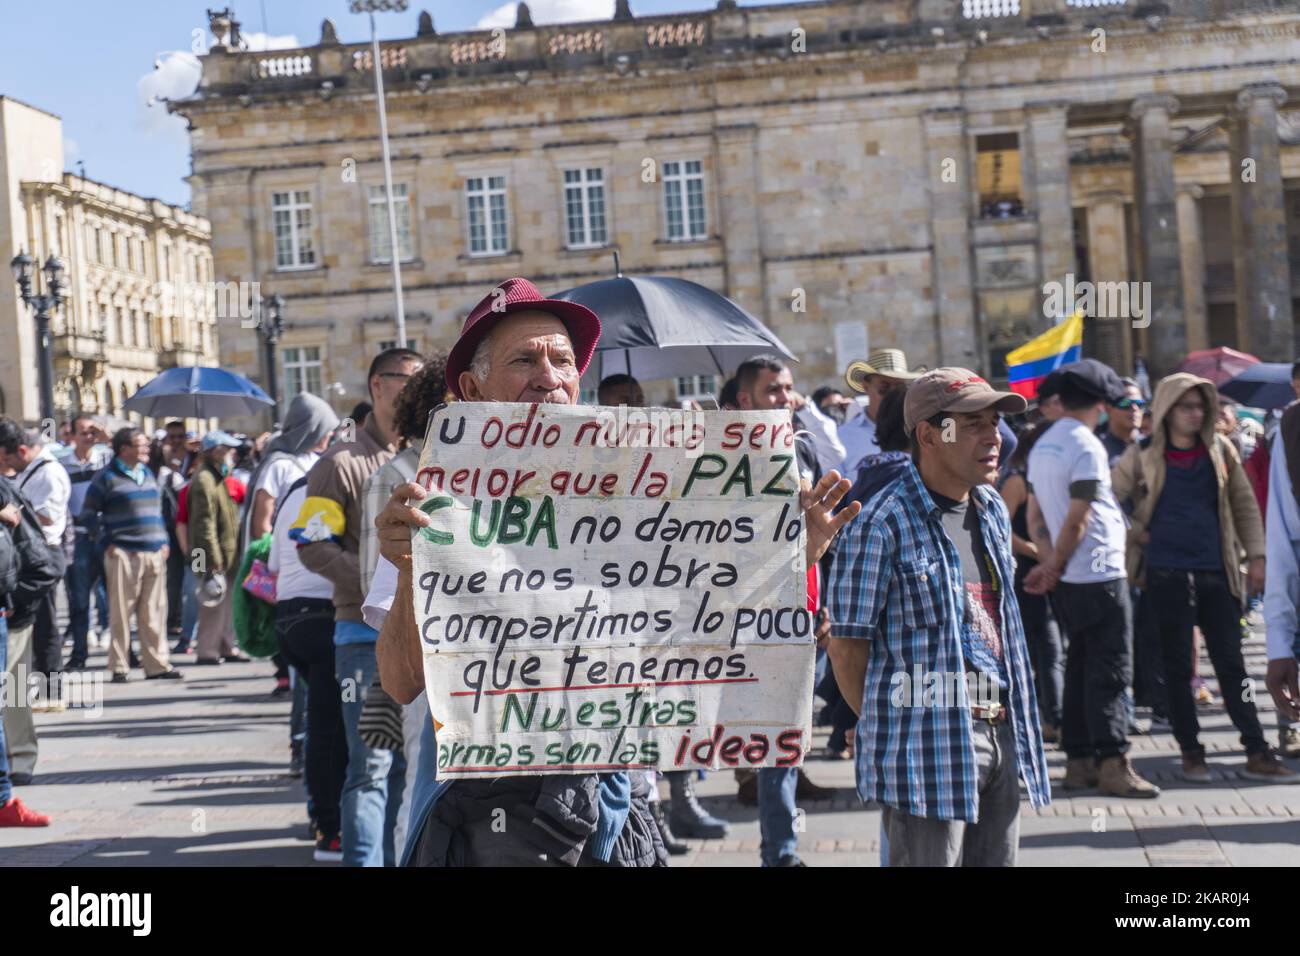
<point x="1108" y="262"/>
<point x="738" y="190"/>
<point x="1192" y="255"/>
<point x="1153" y="169"/>
<point x="1264" y="322"/>
<point x="948" y="173"/>
<point x="1050" y="184"/>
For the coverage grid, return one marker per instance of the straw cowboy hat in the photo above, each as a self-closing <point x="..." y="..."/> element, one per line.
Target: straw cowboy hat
<point x="891" y="363"/>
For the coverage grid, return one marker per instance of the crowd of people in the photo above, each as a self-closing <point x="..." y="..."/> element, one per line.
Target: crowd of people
<point x="1066" y="559"/>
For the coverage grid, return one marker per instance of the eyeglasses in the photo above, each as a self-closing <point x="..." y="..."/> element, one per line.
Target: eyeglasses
<point x="401" y="375"/>
<point x="1127" y="403"/>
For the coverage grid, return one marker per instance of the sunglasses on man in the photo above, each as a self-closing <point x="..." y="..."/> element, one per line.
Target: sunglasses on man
<point x="1127" y="403"/>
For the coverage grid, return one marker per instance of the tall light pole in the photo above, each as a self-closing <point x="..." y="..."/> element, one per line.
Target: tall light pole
<point x="272" y="326"/>
<point x="369" y="7"/>
<point x="56" y="293"/>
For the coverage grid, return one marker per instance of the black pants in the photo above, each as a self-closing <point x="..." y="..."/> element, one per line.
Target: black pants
<point x="1043" y="638"/>
<point x="305" y="630"/>
<point x="175" y="581"/>
<point x="1148" y="659"/>
<point x="47" y="642"/>
<point x="1098" y="667"/>
<point x="1185" y="599"/>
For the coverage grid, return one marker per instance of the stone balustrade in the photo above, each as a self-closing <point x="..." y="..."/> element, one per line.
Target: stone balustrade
<point x="636" y="43"/>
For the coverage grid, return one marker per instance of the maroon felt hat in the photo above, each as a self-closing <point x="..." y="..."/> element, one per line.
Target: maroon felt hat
<point x="520" y="295"/>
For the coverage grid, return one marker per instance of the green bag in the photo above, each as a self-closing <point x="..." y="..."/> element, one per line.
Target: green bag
<point x="254" y="618"/>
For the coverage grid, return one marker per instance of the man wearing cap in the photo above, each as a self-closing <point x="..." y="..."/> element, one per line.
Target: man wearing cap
<point x="884" y="371"/>
<point x="123" y="501"/>
<point x="214" y="541"/>
<point x="328" y="534"/>
<point x="928" y="644"/>
<point x="517" y="346"/>
<point x="1080" y="533"/>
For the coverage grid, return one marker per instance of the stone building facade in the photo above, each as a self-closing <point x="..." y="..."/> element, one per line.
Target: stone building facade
<point x="139" y="273"/>
<point x="857" y="173"/>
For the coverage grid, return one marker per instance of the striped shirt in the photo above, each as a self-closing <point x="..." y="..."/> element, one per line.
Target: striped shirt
<point x="898" y="584"/>
<point x="377" y="490"/>
<point x="81" y="473"/>
<point x="129" y="512"/>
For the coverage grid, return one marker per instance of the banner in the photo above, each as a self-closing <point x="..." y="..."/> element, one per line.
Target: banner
<point x="612" y="588"/>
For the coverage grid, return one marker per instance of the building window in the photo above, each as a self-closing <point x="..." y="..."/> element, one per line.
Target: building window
<point x="684" y="200"/>
<point x="128" y="328"/>
<point x="584" y="207"/>
<point x="110" y="333"/>
<point x="167" y="263"/>
<point x="302" y="370"/>
<point x="412" y="344"/>
<point x="690" y="387"/>
<point x="485" y="206"/>
<point x="997" y="175"/>
<point x="380" y="240"/>
<point x="291" y="213"/>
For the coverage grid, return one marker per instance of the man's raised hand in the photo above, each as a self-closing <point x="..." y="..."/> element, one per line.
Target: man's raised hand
<point x="818" y="513"/>
<point x="397" y="521"/>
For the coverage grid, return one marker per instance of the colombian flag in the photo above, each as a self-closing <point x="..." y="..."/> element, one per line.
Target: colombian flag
<point x="1060" y="345"/>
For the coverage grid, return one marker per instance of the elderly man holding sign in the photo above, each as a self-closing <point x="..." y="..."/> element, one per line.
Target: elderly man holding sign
<point x="567" y="597"/>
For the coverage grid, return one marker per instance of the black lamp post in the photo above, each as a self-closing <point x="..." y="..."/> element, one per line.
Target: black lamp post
<point x="272" y="326"/>
<point x="56" y="293"/>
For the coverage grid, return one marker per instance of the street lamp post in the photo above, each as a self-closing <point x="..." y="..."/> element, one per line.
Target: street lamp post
<point x="271" y="327"/>
<point x="369" y="7"/>
<point x="56" y="293"/>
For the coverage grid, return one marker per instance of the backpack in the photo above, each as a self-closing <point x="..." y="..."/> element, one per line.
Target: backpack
<point x="40" y="567"/>
<point x="9" y="564"/>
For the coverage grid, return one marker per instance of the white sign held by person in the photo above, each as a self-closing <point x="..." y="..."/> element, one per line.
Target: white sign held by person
<point x="612" y="588"/>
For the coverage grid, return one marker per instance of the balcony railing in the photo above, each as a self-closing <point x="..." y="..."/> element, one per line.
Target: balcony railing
<point x="82" y="346"/>
<point x="629" y="43"/>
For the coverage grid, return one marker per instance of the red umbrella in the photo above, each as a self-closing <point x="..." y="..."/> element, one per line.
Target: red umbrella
<point x="1218" y="365"/>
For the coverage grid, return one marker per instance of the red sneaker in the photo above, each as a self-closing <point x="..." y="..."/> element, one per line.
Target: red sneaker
<point x="14" y="814"/>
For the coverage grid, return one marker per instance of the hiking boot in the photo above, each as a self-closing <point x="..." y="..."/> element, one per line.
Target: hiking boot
<point x="805" y="789"/>
<point x="14" y="814"/>
<point x="1267" y="766"/>
<point x="1195" y="769"/>
<point x="685" y="814"/>
<point x="1117" y="777"/>
<point x="674" y="846"/>
<point x="1288" y="742"/>
<point x="1080" y="773"/>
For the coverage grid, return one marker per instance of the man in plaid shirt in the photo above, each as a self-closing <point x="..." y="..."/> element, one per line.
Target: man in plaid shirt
<point x="928" y="641"/>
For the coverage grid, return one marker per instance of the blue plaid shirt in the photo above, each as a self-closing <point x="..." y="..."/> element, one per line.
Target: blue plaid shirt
<point x="898" y="584"/>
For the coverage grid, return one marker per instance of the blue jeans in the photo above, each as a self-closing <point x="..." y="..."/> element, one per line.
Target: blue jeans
<point x="776" y="813"/>
<point x="372" y="790"/>
<point x="6" y="788"/>
<point x="85" y="575"/>
<point x="189" y="606"/>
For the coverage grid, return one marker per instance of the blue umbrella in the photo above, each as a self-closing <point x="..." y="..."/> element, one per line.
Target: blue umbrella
<point x="198" y="393"/>
<point x="1266" y="385"/>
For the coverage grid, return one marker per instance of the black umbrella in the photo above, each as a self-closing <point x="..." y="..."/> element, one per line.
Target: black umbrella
<point x="656" y="327"/>
<point x="1266" y="385"/>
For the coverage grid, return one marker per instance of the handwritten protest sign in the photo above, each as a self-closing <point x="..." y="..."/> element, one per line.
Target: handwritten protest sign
<point x="612" y="588"/>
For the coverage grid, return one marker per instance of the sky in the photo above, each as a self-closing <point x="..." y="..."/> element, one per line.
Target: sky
<point x="97" y="64"/>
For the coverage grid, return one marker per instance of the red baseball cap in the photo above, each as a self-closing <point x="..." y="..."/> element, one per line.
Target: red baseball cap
<point x="520" y="295"/>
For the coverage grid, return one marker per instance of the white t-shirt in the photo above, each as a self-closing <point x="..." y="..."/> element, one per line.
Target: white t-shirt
<point x="46" y="484"/>
<point x="293" y="580"/>
<point x="283" y="472"/>
<point x="1070" y="452"/>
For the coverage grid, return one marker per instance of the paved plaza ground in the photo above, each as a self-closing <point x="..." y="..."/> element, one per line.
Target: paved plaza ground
<point x="195" y="773"/>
